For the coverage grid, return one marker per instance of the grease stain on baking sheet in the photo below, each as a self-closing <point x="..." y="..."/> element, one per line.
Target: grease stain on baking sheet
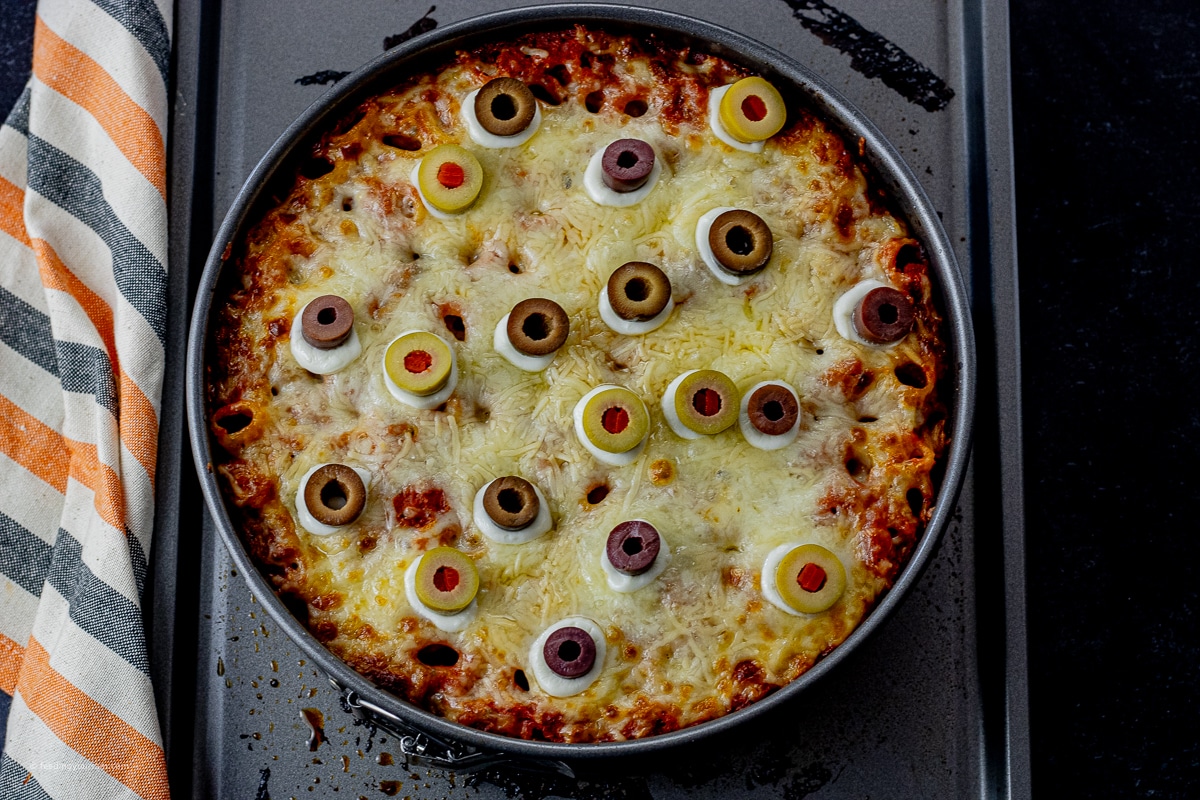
<point x="327" y="76"/>
<point x="872" y="54"/>
<point x="316" y="722"/>
<point x="424" y="25"/>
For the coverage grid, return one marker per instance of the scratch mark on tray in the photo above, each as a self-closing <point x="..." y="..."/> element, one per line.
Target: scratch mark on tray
<point x="872" y="54"/>
<point x="423" y="25"/>
<point x="323" y="77"/>
<point x="326" y="76"/>
<point x="263" y="792"/>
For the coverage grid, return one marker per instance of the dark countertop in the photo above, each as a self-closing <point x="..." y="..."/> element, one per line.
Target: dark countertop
<point x="1106" y="121"/>
<point x="1106" y="112"/>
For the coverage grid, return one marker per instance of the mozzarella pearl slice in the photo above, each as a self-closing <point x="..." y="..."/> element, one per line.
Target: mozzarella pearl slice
<point x="450" y="623"/>
<point x="305" y="517"/>
<point x="718" y="127"/>
<point x="322" y="361"/>
<point x="755" y="437"/>
<point x="847" y="305"/>
<point x="593" y="183"/>
<point x="554" y="684"/>
<point x="633" y="327"/>
<point x="770" y="586"/>
<point x="504" y="346"/>
<point x="620" y="582"/>
<point x="604" y="456"/>
<point x="542" y="523"/>
<point x="423" y="402"/>
<point x="485" y="138"/>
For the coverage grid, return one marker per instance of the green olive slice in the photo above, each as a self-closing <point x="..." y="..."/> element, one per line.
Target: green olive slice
<point x="752" y="110"/>
<point x="504" y="106"/>
<point x="446" y="580"/>
<point x="615" y="420"/>
<point x="706" y="401"/>
<point x="418" y="362"/>
<point x="810" y="578"/>
<point x="450" y="178"/>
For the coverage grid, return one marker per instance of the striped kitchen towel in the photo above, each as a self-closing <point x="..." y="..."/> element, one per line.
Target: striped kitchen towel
<point x="83" y="256"/>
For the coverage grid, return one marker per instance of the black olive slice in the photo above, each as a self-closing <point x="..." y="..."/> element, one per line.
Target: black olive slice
<point x="537" y="326"/>
<point x="327" y="322"/>
<point x="638" y="291"/>
<point x="511" y="502"/>
<point x="741" y="242"/>
<point x="569" y="652"/>
<point x="772" y="410"/>
<point x="504" y="106"/>
<point x="335" y="495"/>
<point x="633" y="546"/>
<point x="626" y="164"/>
<point x="884" y="315"/>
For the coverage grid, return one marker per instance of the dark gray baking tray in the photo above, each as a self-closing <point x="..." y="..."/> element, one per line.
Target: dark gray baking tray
<point x="931" y="706"/>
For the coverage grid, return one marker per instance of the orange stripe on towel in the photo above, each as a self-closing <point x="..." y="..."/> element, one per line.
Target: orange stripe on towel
<point x="12" y="211"/>
<point x="137" y="422"/>
<point x="73" y="74"/>
<point x="90" y="729"/>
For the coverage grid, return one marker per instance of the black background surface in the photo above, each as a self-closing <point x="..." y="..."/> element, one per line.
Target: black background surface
<point x="1106" y="109"/>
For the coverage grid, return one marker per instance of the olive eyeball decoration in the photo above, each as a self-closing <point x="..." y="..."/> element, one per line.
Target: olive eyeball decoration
<point x="770" y="415"/>
<point x="807" y="579"/>
<point x="746" y="114"/>
<point x="700" y="402"/>
<point x="612" y="423"/>
<point x="626" y="164"/>
<point x="634" y="555"/>
<point x="622" y="174"/>
<point x="511" y="510"/>
<point x="330" y="497"/>
<point x="420" y="369"/>
<point x="530" y="334"/>
<point x="323" y="338"/>
<point x="568" y="657"/>
<point x="734" y="244"/>
<point x="873" y="313"/>
<point x="504" y="113"/>
<point x="448" y="180"/>
<point x="441" y="586"/>
<point x="637" y="299"/>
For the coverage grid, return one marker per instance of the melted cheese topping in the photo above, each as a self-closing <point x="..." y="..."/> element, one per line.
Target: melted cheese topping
<point x="535" y="232"/>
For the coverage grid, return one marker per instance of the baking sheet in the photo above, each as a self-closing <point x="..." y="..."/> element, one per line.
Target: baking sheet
<point x="930" y="707"/>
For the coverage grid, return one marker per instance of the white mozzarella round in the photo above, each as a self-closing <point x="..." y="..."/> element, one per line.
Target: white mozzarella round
<point x="423" y="402"/>
<point x="770" y="589"/>
<point x="316" y="360"/>
<point x="620" y="582"/>
<point x="542" y="523"/>
<point x="504" y="346"/>
<point x="484" y="138"/>
<point x="612" y="459"/>
<point x="450" y="623"/>
<point x="554" y="684"/>
<point x="703" y="226"/>
<point x="718" y="127"/>
<point x="435" y="212"/>
<point x="669" y="412"/>
<point x="306" y="519"/>
<point x="632" y="327"/>
<point x="597" y="189"/>
<point x="766" y="441"/>
<point x="843" y="312"/>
